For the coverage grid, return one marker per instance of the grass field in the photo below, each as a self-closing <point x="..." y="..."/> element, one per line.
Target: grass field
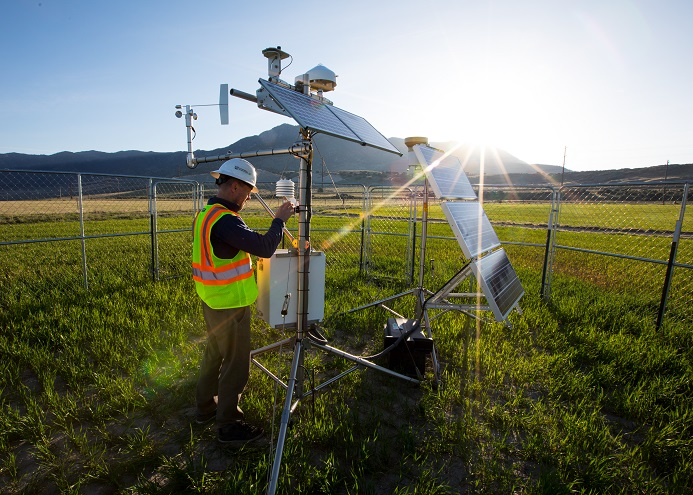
<point x="581" y="395"/>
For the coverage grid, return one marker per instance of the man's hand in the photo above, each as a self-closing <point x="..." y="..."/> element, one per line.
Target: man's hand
<point x="285" y="211"/>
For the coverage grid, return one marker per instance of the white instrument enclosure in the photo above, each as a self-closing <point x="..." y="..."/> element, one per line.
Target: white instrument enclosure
<point x="277" y="276"/>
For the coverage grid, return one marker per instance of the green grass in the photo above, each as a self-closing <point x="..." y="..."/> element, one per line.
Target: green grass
<point x="581" y="395"/>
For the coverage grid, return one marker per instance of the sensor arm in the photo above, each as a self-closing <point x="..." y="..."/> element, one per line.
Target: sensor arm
<point x="297" y="149"/>
<point x="243" y="95"/>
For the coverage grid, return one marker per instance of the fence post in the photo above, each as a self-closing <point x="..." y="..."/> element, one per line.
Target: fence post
<point x="364" y="209"/>
<point x="80" y="203"/>
<point x="547" y="269"/>
<point x="366" y="230"/>
<point x="411" y="248"/>
<point x="672" y="258"/>
<point x="152" y="230"/>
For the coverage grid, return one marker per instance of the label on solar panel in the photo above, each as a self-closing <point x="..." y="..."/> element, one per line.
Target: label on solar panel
<point x="317" y="116"/>
<point x="444" y="173"/>
<point x="471" y="226"/>
<point x="499" y="283"/>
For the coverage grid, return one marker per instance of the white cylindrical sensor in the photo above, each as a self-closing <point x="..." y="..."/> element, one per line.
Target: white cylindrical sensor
<point x="285" y="189"/>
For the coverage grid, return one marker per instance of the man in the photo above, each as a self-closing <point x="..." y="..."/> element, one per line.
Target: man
<point x="223" y="274"/>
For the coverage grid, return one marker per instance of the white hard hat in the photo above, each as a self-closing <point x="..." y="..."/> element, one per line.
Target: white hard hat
<point x="240" y="169"/>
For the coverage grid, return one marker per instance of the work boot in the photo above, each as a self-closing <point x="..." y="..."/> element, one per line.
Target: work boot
<point x="239" y="433"/>
<point x="202" y="418"/>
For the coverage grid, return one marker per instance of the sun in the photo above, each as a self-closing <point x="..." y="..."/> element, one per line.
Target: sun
<point x="498" y="105"/>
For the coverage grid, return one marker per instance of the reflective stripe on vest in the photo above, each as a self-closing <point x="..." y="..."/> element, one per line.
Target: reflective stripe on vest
<point x="222" y="275"/>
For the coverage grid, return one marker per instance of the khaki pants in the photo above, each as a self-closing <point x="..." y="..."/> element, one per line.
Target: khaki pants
<point x="225" y="363"/>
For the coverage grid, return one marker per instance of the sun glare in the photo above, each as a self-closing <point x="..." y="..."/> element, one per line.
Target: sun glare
<point x="504" y="105"/>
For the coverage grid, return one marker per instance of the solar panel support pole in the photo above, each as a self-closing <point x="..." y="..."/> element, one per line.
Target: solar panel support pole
<point x="303" y="248"/>
<point x="424" y="235"/>
<point x="302" y="245"/>
<point x="410" y="142"/>
<point x="421" y="312"/>
<point x="303" y="340"/>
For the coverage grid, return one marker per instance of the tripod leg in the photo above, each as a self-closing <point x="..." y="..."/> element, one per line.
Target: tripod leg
<point x="298" y="354"/>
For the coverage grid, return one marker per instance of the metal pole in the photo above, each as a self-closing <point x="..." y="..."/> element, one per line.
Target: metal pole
<point x="672" y="258"/>
<point x="189" y="116"/>
<point x="80" y="203"/>
<point x="422" y="255"/>
<point x="546" y="273"/>
<point x="296" y="149"/>
<point x="366" y="232"/>
<point x="303" y="247"/>
<point x="364" y="209"/>
<point x="153" y="228"/>
<point x="295" y="383"/>
<point x="286" y="412"/>
<point x="664" y="188"/>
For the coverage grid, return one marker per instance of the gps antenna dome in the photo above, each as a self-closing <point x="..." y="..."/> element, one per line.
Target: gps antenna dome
<point x="320" y="78"/>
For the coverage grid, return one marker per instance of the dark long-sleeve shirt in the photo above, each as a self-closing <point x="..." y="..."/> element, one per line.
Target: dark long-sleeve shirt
<point x="230" y="234"/>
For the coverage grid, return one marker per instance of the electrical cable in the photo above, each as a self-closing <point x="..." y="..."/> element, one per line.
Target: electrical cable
<point x="316" y="336"/>
<point x="402" y="336"/>
<point x="287" y="66"/>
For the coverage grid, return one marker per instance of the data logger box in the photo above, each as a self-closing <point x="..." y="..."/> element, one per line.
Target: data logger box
<point x="278" y="276"/>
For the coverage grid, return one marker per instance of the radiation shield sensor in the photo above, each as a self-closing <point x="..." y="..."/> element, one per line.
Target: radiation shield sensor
<point x="444" y="173"/>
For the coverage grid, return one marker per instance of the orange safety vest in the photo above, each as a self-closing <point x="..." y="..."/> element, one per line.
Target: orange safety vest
<point x="220" y="283"/>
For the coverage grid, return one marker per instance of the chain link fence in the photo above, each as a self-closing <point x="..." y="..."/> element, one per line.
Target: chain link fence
<point x="68" y="232"/>
<point x="64" y="232"/>
<point x="390" y="226"/>
<point x="632" y="240"/>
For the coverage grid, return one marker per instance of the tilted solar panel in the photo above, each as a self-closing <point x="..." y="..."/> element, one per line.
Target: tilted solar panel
<point x="317" y="116"/>
<point x="444" y="173"/>
<point x="499" y="282"/>
<point x="471" y="226"/>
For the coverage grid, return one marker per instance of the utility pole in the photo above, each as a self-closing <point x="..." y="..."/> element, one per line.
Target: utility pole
<point x="565" y="150"/>
<point x="666" y="174"/>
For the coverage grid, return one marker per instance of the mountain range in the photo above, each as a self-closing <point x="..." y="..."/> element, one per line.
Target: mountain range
<point x="334" y="160"/>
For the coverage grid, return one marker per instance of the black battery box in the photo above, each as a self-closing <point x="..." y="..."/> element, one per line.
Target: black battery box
<point x="410" y="354"/>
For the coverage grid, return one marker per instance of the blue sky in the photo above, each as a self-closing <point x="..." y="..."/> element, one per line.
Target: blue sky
<point x="609" y="80"/>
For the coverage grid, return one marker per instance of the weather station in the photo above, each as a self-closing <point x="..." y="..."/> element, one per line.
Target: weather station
<point x="291" y="283"/>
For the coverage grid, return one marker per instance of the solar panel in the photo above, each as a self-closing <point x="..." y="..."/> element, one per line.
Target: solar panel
<point x="317" y="116"/>
<point x="471" y="226"/>
<point x="444" y="173"/>
<point x="499" y="282"/>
